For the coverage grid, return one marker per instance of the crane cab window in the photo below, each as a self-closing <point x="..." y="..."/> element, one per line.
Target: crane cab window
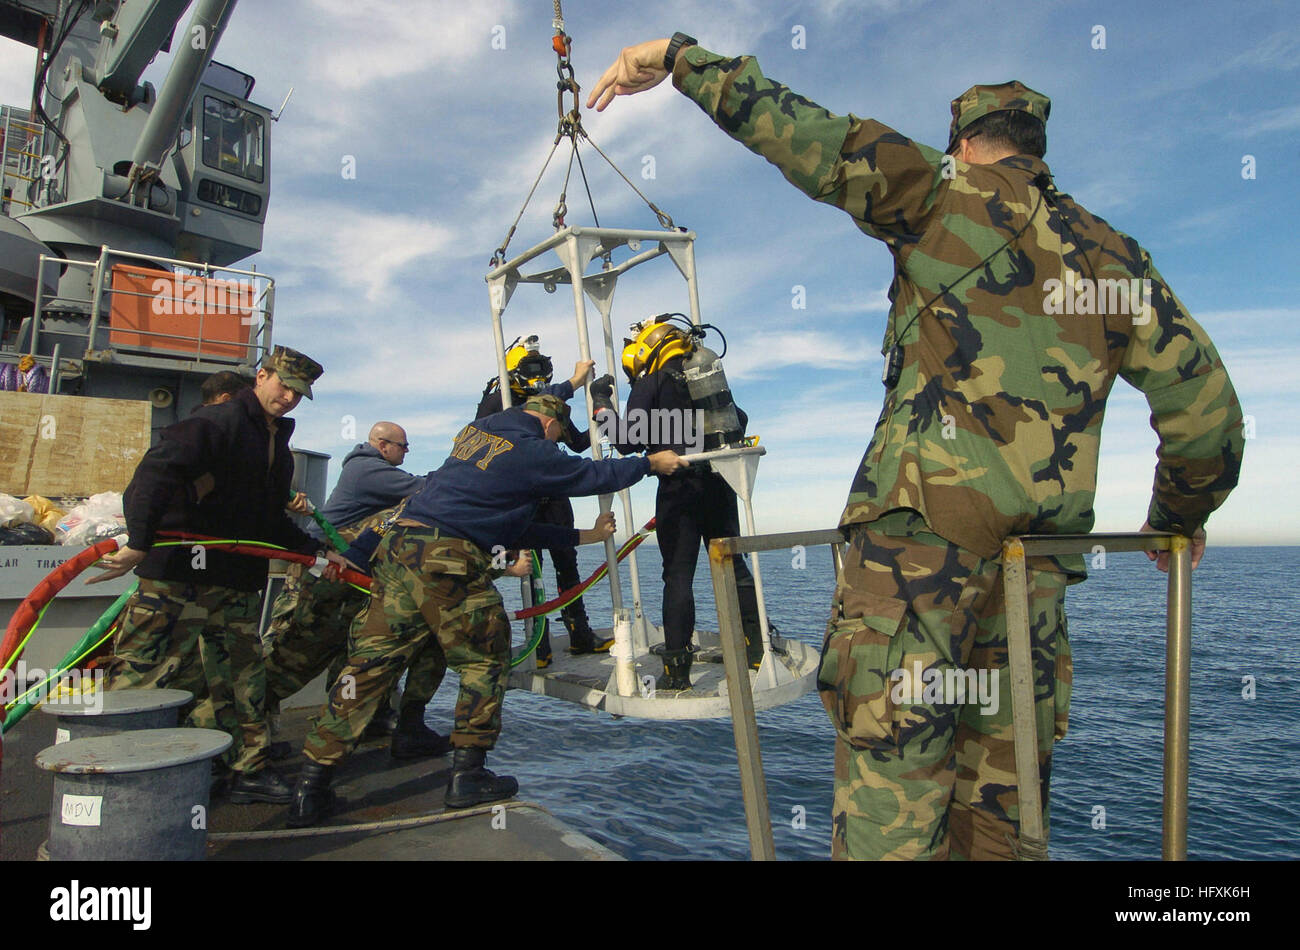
<point x="233" y="139"/>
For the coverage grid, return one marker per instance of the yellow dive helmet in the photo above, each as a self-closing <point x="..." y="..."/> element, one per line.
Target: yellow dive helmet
<point x="527" y="368"/>
<point x="656" y="342"/>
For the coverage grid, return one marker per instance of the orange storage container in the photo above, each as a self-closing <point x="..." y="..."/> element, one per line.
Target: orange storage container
<point x="195" y="316"/>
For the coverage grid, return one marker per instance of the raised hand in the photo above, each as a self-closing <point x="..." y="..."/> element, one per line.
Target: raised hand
<point x="637" y="69"/>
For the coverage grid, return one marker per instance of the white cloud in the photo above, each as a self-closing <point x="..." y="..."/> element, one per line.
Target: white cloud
<point x="17" y="63"/>
<point x="1282" y="119"/>
<point x="353" y="249"/>
<point x="766" y="351"/>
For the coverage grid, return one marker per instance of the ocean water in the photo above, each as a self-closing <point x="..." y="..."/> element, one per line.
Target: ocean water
<point x="671" y="790"/>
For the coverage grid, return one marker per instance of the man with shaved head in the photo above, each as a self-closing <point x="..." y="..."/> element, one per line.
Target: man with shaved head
<point x="311" y="617"/>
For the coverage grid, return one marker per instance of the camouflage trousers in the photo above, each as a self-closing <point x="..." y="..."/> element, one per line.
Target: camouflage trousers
<point x="429" y="592"/>
<point x="914" y="677"/>
<point x="308" y="632"/>
<point x="308" y="635"/>
<point x="202" y="638"/>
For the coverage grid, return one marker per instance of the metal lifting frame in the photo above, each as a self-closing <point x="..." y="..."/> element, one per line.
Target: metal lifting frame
<point x="1032" y="843"/>
<point x="577" y="247"/>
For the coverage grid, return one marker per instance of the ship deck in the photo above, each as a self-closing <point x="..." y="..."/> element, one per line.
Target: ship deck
<point x="375" y="792"/>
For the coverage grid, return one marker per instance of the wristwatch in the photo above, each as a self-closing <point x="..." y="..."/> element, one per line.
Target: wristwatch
<point x="675" y="45"/>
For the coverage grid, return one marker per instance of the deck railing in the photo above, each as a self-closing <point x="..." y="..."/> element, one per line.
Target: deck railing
<point x="198" y="349"/>
<point x="1032" y="844"/>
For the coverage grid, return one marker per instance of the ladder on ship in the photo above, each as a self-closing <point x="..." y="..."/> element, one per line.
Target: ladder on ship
<point x="21" y="143"/>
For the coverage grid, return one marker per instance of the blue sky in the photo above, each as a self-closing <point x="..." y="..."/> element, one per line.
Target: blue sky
<point x="448" y="110"/>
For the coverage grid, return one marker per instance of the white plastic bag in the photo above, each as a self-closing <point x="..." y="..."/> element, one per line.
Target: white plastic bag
<point x="99" y="517"/>
<point x="14" y="511"/>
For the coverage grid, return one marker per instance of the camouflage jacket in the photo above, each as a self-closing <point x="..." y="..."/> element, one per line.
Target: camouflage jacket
<point x="994" y="425"/>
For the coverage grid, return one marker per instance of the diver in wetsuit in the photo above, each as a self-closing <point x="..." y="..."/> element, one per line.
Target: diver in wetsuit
<point x="696" y="505"/>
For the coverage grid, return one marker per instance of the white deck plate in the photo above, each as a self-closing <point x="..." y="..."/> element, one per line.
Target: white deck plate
<point x="587" y="680"/>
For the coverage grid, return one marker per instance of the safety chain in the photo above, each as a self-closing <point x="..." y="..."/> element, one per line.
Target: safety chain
<point x="569" y="126"/>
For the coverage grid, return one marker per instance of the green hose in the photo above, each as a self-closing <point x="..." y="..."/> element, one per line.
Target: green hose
<point x="89" y="641"/>
<point x="334" y="537"/>
<point x="540" y="624"/>
<point x="331" y="534"/>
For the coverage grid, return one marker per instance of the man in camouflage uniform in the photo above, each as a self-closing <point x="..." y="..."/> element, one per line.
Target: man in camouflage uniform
<point x="311" y="617"/>
<point x="432" y="588"/>
<point x="990" y="428"/>
<point x="223" y="472"/>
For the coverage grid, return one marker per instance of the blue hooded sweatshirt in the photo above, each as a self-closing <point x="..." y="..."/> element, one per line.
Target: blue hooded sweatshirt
<point x="500" y="467"/>
<point x="367" y="484"/>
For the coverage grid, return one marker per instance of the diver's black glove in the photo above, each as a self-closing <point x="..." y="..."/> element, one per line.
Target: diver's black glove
<point x="602" y="391"/>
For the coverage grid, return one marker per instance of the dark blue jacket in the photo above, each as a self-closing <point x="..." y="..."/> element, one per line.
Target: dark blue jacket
<point x="366" y="484"/>
<point x="578" y="441"/>
<point x="218" y="472"/>
<point x="664" y="389"/>
<point x="500" y="467"/>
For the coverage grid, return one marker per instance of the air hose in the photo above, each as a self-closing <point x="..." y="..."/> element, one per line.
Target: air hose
<point x="27" y="617"/>
<point x="90" y="641"/>
<point x="540" y="623"/>
<point x="573" y="593"/>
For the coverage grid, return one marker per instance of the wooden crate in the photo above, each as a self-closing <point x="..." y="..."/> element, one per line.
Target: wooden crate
<point x="70" y="445"/>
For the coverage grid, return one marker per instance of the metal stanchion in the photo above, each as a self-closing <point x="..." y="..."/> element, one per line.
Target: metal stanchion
<point x="744" y="724"/>
<point x="1032" y="845"/>
<point x="1178" y="667"/>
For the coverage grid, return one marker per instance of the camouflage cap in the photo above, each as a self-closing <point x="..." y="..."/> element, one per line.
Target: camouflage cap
<point x="978" y="101"/>
<point x="296" y="370"/>
<point x="548" y="405"/>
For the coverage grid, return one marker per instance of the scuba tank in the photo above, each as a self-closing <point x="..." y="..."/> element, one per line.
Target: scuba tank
<point x="715" y="409"/>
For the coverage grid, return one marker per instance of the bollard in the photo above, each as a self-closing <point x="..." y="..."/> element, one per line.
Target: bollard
<point x="114" y="711"/>
<point x="624" y="655"/>
<point x="134" y="796"/>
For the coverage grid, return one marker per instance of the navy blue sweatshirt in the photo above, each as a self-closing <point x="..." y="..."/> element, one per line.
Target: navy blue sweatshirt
<point x="500" y="467"/>
<point x="578" y="441"/>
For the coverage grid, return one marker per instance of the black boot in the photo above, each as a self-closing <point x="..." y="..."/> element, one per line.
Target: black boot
<point x="279" y="751"/>
<point x="582" y="639"/>
<point x="542" y="655"/>
<point x="412" y="739"/>
<point x="471" y="784"/>
<point x="753" y="642"/>
<point x="264" y="785"/>
<point x="677" y="670"/>
<point x="313" y="799"/>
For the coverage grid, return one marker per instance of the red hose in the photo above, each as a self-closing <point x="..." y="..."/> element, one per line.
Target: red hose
<point x="572" y="593"/>
<point x="30" y="609"/>
<point x="347" y="575"/>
